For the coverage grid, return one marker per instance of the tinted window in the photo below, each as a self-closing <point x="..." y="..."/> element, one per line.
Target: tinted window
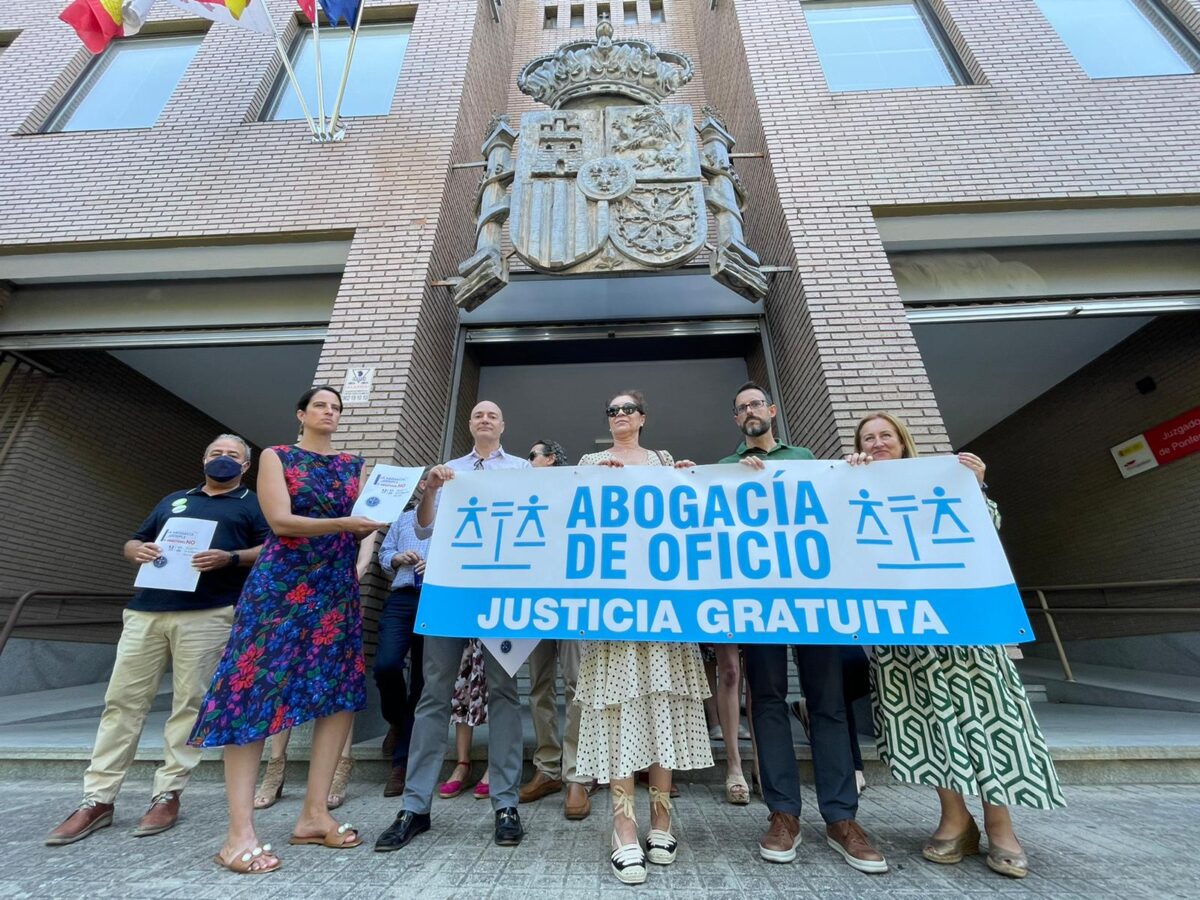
<point x="1116" y="38"/>
<point x="374" y="72"/>
<point x="873" y="44"/>
<point x="128" y="85"/>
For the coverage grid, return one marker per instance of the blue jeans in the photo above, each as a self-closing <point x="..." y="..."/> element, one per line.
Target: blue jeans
<point x="398" y="698"/>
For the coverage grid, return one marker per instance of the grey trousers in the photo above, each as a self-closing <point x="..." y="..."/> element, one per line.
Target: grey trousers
<point x="555" y="757"/>
<point x="430" y="734"/>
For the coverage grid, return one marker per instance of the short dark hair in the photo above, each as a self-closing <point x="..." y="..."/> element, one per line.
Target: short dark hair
<point x="306" y="397"/>
<point x="752" y="386"/>
<point x="555" y="449"/>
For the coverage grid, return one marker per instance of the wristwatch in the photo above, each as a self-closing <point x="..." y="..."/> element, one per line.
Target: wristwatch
<point x="234" y="558"/>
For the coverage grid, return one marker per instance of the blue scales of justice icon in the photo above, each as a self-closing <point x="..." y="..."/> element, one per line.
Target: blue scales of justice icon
<point x="873" y="531"/>
<point x="495" y="531"/>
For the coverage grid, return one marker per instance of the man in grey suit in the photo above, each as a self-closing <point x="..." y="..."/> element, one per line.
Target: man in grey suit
<point x="427" y="747"/>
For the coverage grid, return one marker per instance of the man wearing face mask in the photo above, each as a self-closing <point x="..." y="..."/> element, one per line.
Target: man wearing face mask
<point x="188" y="629"/>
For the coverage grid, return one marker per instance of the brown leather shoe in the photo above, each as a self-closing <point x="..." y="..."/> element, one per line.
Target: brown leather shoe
<point x="395" y="782"/>
<point x="91" y="816"/>
<point x="779" y="844"/>
<point x="389" y="742"/>
<point x="578" y="805"/>
<point x="848" y="839"/>
<point x="539" y="786"/>
<point x="162" y="815"/>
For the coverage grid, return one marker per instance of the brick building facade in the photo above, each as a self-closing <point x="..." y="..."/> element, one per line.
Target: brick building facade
<point x="829" y="176"/>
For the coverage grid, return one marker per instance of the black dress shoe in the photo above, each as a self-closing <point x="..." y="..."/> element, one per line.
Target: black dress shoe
<point x="406" y="827"/>
<point x="508" y="827"/>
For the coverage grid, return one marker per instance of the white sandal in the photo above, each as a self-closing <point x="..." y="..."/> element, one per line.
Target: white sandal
<point x="661" y="845"/>
<point x="628" y="860"/>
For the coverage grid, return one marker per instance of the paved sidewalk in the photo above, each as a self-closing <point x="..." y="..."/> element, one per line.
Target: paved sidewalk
<point x="1112" y="841"/>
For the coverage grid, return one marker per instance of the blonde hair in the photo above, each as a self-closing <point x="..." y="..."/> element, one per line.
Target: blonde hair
<point x="902" y="432"/>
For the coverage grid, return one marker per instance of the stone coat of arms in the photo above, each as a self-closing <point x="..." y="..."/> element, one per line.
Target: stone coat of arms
<point x="598" y="184"/>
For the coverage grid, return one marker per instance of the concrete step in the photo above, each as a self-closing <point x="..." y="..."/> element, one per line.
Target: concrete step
<point x="1090" y="745"/>
<point x="85" y="701"/>
<point x="1112" y="686"/>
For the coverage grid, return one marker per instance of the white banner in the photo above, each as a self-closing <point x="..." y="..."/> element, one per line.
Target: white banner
<point x="900" y="552"/>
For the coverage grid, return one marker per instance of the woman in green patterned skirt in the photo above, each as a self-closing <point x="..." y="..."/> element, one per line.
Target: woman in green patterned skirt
<point x="957" y="718"/>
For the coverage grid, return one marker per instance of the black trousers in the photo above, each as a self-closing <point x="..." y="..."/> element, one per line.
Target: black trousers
<point x="398" y="700"/>
<point x="821" y="679"/>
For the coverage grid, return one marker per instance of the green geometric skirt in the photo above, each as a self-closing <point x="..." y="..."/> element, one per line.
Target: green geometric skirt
<point x="959" y="718"/>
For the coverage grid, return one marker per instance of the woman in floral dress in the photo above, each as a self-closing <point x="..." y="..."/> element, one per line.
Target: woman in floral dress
<point x="295" y="652"/>
<point x="468" y="710"/>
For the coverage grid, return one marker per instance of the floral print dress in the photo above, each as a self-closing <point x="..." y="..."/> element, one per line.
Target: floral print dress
<point x="295" y="652"/>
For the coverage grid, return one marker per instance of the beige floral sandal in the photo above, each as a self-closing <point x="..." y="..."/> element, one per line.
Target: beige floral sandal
<point x="341" y="778"/>
<point x="737" y="791"/>
<point x="271" y="789"/>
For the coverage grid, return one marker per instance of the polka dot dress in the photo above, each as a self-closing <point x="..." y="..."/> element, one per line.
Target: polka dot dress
<point x="640" y="702"/>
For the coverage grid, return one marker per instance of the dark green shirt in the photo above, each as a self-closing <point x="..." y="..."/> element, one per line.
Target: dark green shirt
<point x="779" y="451"/>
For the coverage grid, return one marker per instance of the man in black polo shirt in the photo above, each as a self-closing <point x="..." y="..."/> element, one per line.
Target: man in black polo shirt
<point x="187" y="629"/>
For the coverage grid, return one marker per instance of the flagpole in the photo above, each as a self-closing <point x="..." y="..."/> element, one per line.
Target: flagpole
<point x="316" y="27"/>
<point x="287" y="65"/>
<point x="337" y="104"/>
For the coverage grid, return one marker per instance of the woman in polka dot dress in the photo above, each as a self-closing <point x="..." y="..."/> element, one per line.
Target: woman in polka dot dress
<point x="641" y="703"/>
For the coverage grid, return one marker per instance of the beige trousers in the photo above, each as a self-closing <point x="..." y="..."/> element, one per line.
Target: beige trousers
<point x="193" y="642"/>
<point x="554" y="758"/>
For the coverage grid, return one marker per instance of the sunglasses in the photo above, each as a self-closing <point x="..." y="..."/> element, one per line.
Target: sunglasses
<point x="628" y="408"/>
<point x="534" y="454"/>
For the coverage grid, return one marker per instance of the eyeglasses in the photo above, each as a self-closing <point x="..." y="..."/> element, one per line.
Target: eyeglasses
<point x="755" y="405"/>
<point x="479" y="463"/>
<point x="534" y="454"/>
<point x="628" y="408"/>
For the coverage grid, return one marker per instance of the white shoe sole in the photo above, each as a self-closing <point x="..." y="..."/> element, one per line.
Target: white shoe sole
<point x="868" y="866"/>
<point x="781" y="856"/>
<point x="630" y="875"/>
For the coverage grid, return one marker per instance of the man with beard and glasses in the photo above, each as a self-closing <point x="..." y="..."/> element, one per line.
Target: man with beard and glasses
<point x="820" y="669"/>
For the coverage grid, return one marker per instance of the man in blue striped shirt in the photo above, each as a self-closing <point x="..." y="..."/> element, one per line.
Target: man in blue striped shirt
<point x="427" y="747"/>
<point x="402" y="553"/>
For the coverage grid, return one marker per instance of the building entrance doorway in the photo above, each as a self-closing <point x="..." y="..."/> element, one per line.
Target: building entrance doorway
<point x="553" y="384"/>
<point x="552" y="351"/>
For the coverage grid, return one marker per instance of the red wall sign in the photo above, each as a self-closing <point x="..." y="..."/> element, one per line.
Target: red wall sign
<point x="1159" y="445"/>
<point x="1175" y="439"/>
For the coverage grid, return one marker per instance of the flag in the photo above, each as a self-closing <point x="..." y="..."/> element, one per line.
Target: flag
<point x="337" y="10"/>
<point x="249" y="14"/>
<point x="308" y="7"/>
<point x="98" y="22"/>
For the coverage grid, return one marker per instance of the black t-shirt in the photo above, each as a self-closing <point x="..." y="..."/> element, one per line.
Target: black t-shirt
<point x="240" y="525"/>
